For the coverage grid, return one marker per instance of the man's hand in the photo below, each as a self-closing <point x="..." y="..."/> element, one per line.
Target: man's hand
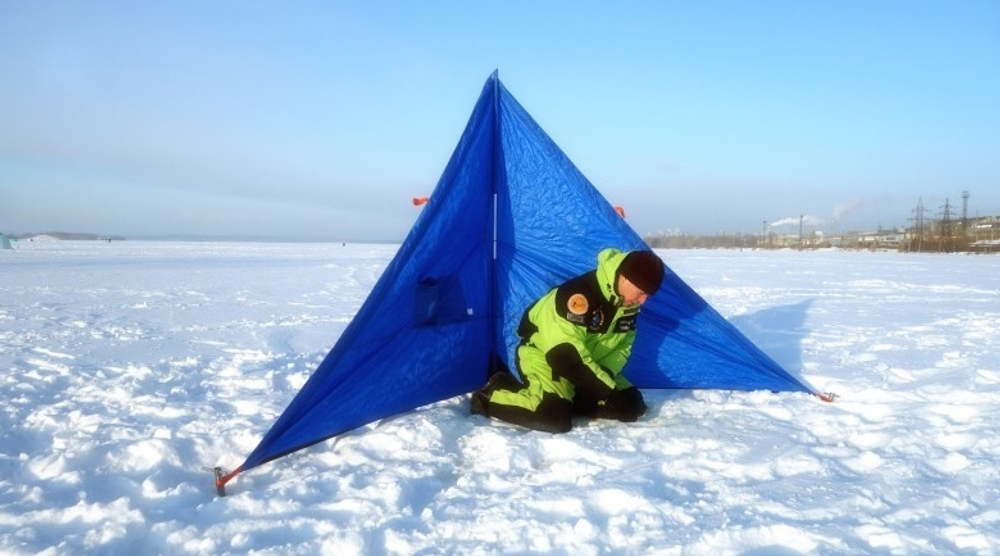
<point x="625" y="405"/>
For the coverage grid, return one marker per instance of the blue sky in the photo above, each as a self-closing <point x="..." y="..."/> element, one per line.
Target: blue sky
<point x="321" y="120"/>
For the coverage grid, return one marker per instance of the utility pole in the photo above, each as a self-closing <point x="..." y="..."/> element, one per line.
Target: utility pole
<point x="965" y="214"/>
<point x="801" y="242"/>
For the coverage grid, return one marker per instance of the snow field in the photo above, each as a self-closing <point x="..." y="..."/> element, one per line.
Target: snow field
<point x="133" y="368"/>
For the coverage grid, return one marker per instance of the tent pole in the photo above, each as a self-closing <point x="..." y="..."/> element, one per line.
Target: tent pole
<point x="495" y="176"/>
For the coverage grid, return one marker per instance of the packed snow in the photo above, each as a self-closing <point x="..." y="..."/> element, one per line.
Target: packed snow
<point x="133" y="368"/>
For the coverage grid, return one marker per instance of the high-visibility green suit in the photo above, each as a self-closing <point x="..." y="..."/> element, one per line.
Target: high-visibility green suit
<point x="575" y="341"/>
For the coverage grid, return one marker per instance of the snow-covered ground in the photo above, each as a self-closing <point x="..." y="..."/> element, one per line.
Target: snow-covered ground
<point x="129" y="369"/>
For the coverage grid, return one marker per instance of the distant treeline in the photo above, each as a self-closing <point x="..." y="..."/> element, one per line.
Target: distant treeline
<point x="76" y="236"/>
<point x="684" y="241"/>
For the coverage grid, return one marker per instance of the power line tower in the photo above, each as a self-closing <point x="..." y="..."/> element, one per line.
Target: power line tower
<point x="946" y="227"/>
<point x="918" y="224"/>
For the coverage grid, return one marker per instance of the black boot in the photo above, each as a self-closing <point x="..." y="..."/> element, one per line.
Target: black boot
<point x="480" y="403"/>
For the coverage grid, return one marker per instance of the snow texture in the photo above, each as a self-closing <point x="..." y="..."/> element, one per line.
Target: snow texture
<point x="132" y="368"/>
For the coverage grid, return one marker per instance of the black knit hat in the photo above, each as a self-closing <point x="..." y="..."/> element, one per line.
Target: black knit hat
<point x="644" y="269"/>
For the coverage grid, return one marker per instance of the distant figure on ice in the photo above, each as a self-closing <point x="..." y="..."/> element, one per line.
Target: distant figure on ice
<point x="575" y="341"/>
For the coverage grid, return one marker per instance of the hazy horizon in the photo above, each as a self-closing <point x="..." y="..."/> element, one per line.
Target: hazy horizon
<point x="325" y="120"/>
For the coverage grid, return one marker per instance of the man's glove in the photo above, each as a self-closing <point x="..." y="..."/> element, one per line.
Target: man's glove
<point x="625" y="405"/>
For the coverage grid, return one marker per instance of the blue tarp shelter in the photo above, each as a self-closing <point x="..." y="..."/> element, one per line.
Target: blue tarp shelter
<point x="510" y="217"/>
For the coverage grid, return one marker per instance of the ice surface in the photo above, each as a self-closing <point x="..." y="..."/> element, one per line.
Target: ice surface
<point x="131" y="368"/>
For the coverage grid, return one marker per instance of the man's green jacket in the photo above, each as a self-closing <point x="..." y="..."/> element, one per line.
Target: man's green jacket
<point x="577" y="337"/>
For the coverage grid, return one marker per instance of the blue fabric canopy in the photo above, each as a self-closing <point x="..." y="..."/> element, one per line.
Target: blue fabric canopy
<point x="510" y="218"/>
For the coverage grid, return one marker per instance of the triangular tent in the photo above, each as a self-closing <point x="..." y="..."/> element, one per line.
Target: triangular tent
<point x="510" y="218"/>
